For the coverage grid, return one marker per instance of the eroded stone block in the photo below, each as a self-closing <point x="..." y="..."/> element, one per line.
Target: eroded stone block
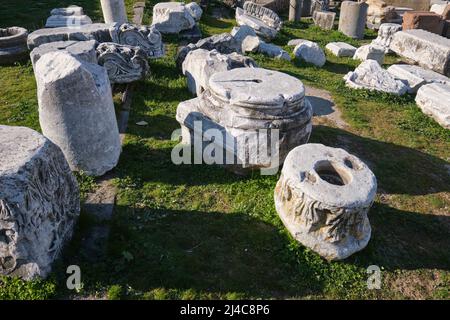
<point x="310" y="52"/>
<point x="341" y="49"/>
<point x="434" y="100"/>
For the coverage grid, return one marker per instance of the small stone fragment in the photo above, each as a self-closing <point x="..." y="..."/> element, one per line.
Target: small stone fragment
<point x="341" y="49"/>
<point x="370" y="51"/>
<point x="310" y="52"/>
<point x="434" y="100"/>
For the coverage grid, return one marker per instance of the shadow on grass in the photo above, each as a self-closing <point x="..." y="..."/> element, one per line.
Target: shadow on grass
<point x="209" y="252"/>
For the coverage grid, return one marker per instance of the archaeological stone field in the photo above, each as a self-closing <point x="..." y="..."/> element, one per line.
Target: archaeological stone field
<point x="209" y="149"/>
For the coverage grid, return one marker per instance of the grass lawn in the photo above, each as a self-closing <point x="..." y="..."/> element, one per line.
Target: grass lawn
<point x="201" y="232"/>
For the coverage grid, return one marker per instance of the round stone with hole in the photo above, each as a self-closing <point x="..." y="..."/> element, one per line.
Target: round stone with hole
<point x="323" y="197"/>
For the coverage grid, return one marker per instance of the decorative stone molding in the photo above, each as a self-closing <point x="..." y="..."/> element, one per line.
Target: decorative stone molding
<point x="323" y="197"/>
<point x="123" y="63"/>
<point x="39" y="202"/>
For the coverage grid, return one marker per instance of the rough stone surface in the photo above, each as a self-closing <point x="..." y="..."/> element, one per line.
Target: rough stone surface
<point x="223" y="43"/>
<point x="67" y="21"/>
<point x="247" y="37"/>
<point x="369" y="75"/>
<point x="147" y="38"/>
<point x="370" y="51"/>
<point x="341" y="49"/>
<point x="438" y="8"/>
<point x="385" y="34"/>
<point x="427" y="49"/>
<point x="172" y="17"/>
<point x="379" y="12"/>
<point x="251" y="44"/>
<point x="424" y="20"/>
<point x="415" y="76"/>
<point x="323" y="197"/>
<point x="273" y="51"/>
<point x="13" y="44"/>
<point x="69" y="11"/>
<point x="310" y="52"/>
<point x="84" y="50"/>
<point x="201" y="64"/>
<point x="244" y="101"/>
<point x="96" y="31"/>
<point x="76" y="112"/>
<point x="195" y="10"/>
<point x="114" y="11"/>
<point x="264" y="21"/>
<point x="39" y="203"/>
<point x="295" y="42"/>
<point x="325" y="20"/>
<point x="434" y="100"/>
<point x="123" y="63"/>
<point x="352" y="20"/>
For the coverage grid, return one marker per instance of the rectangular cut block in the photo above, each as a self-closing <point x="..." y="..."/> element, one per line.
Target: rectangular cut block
<point x="434" y="100"/>
<point x="96" y="31"/>
<point x="427" y="49"/>
<point x="424" y="20"/>
<point x="415" y="76"/>
<point x="341" y="49"/>
<point x="324" y="20"/>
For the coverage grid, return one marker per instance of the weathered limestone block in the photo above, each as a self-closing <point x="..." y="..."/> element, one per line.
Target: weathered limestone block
<point x="352" y="20"/>
<point x="114" y="11"/>
<point x="370" y="51"/>
<point x="379" y="13"/>
<point x="319" y="5"/>
<point x="438" y="8"/>
<point x="246" y="36"/>
<point x="100" y="32"/>
<point x="296" y="42"/>
<point x="147" y="38"/>
<point x="427" y="49"/>
<point x="223" y="43"/>
<point x="76" y="112"/>
<point x="385" y="34"/>
<point x="172" y="17"/>
<point x="69" y="11"/>
<point x="195" y="10"/>
<point x="83" y="50"/>
<point x="341" y="49"/>
<point x="434" y="100"/>
<point x="123" y="63"/>
<point x="323" y="197"/>
<point x="13" y="44"/>
<point x="424" y="20"/>
<point x="415" y="76"/>
<point x="71" y="16"/>
<point x="264" y="21"/>
<point x="201" y="64"/>
<point x="310" y="52"/>
<point x="325" y="20"/>
<point x="273" y="51"/>
<point x="39" y="203"/>
<point x="369" y="75"/>
<point x="244" y="104"/>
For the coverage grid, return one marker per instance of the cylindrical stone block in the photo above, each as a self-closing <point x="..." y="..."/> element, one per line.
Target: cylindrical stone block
<point x="352" y="20"/>
<point x="76" y="111"/>
<point x="114" y="11"/>
<point x="295" y="10"/>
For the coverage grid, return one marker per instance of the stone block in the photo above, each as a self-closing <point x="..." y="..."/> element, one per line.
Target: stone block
<point x="415" y="76"/>
<point x="434" y="100"/>
<point x="324" y="20"/>
<point x="370" y="51"/>
<point x="427" y="49"/>
<point x="323" y="197"/>
<point x="352" y="20"/>
<point x="341" y="49"/>
<point x="39" y="203"/>
<point x="172" y="17"/>
<point x="76" y="112"/>
<point x="310" y="52"/>
<point x="13" y="45"/>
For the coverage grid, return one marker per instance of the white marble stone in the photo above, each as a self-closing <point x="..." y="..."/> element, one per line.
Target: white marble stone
<point x="264" y="21"/>
<point x="427" y="49"/>
<point x="39" y="203"/>
<point x="195" y="10"/>
<point x="310" y="52"/>
<point x="341" y="49"/>
<point x="172" y="17"/>
<point x="385" y="34"/>
<point x="434" y="100"/>
<point x="323" y="197"/>
<point x="114" y="11"/>
<point x="273" y="51"/>
<point x="415" y="76"/>
<point x="76" y="111"/>
<point x="369" y="75"/>
<point x="370" y="51"/>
